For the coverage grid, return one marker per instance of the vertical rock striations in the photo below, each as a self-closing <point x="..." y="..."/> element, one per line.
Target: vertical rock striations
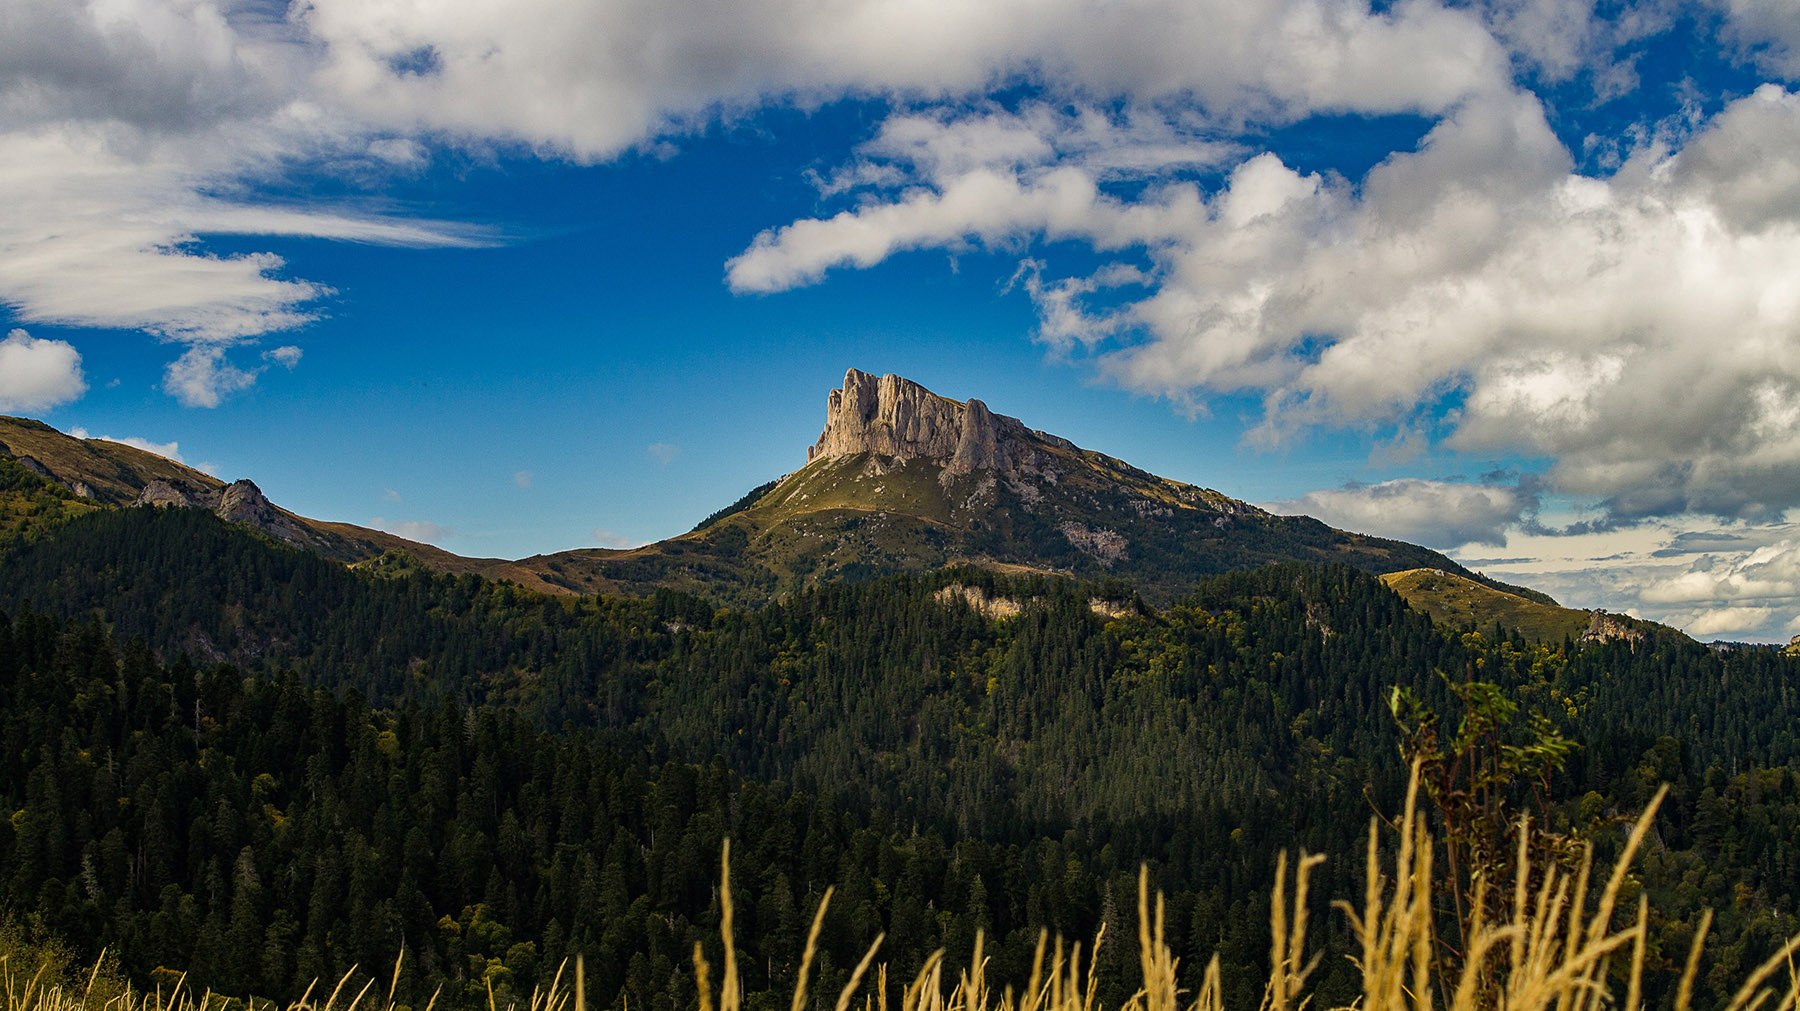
<point x="898" y="418"/>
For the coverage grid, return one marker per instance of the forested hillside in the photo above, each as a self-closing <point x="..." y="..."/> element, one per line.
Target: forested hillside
<point x="228" y="755"/>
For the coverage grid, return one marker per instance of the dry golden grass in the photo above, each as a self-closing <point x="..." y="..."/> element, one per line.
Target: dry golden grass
<point x="1555" y="951"/>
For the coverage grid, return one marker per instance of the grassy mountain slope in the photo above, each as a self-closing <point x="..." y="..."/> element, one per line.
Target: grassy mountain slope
<point x="1082" y="514"/>
<point x="111" y="473"/>
<point x="1454" y="601"/>
<point x="52" y="477"/>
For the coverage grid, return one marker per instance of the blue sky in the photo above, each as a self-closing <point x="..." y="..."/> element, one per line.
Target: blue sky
<point x="1511" y="278"/>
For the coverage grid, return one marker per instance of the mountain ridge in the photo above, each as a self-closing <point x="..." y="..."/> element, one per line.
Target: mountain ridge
<point x="904" y="478"/>
<point x="900" y="479"/>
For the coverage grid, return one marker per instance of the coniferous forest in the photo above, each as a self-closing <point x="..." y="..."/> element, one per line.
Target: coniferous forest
<point x="224" y="756"/>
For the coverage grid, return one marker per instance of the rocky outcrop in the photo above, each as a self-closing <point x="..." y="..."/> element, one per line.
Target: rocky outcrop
<point x="1103" y="546"/>
<point x="80" y="488"/>
<point x="894" y="417"/>
<point x="243" y="502"/>
<point x="239" y="502"/>
<point x="977" y="600"/>
<point x="1604" y="626"/>
<point x="165" y="494"/>
<point x="35" y="467"/>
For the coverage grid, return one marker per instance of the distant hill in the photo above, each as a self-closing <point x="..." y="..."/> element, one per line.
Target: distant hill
<point x="47" y="477"/>
<point x="1455" y="600"/>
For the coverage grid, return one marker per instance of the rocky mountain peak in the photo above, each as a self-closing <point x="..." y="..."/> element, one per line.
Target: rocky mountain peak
<point x="238" y="502"/>
<point x="896" y="417"/>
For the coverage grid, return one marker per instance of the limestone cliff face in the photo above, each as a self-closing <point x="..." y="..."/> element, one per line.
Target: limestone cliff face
<point x="898" y="418"/>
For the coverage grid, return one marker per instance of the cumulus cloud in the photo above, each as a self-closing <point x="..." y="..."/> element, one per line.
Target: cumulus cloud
<point x="1641" y="330"/>
<point x="990" y="176"/>
<point x="132" y="130"/>
<point x="37" y="374"/>
<point x="1722" y="621"/>
<point x="627" y="70"/>
<point x="1738" y="581"/>
<point x="1751" y="593"/>
<point x="1766" y="575"/>
<point x="1440" y="514"/>
<point x="1768" y="30"/>
<point x="202" y="377"/>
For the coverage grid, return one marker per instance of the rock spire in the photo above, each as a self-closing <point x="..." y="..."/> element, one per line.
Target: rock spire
<point x="896" y="417"/>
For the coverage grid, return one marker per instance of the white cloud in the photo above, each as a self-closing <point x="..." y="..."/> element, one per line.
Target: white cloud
<point x="423" y="531"/>
<point x="1642" y="331"/>
<point x="1440" y="514"/>
<point x="1738" y="581"/>
<point x="170" y="449"/>
<point x="522" y="478"/>
<point x="130" y="128"/>
<point x="663" y="452"/>
<point x="1769" y="30"/>
<point x="1571" y="41"/>
<point x="609" y="539"/>
<point x="591" y="79"/>
<point x="202" y="377"/>
<point x="1765" y="575"/>
<point x="286" y="356"/>
<point x="1723" y="621"/>
<point x="990" y="177"/>
<point x="37" y="374"/>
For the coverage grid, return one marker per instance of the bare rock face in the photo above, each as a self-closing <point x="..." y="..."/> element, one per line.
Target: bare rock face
<point x="162" y="494"/>
<point x="898" y="418"/>
<point x="1605" y="627"/>
<point x="239" y="502"/>
<point x="243" y="502"/>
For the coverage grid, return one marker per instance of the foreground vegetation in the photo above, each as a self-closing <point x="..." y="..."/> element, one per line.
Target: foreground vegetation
<point x="225" y="757"/>
<point x="1559" y="945"/>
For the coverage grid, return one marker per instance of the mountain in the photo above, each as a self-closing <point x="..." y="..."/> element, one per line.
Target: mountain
<point x="902" y="478"/>
<point x="899" y="479"/>
<point x="221" y="750"/>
